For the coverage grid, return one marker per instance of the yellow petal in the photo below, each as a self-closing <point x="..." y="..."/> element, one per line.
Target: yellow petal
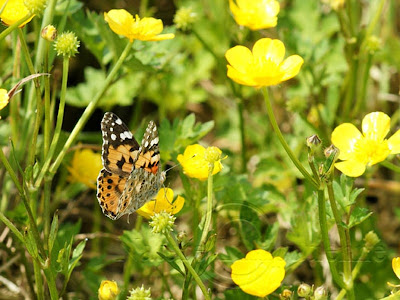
<point x="241" y="78"/>
<point x="239" y="57"/>
<point x="3" y="98"/>
<point x="396" y="266"/>
<point x="344" y="137"/>
<point x="394" y="143"/>
<point x="351" y="168"/>
<point x="291" y="66"/>
<point x="270" y="50"/>
<point x="120" y="21"/>
<point x="375" y="126"/>
<point x="14" y="11"/>
<point x="258" y="274"/>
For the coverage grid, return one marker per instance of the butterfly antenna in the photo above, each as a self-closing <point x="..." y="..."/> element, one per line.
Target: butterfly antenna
<point x="178" y="164"/>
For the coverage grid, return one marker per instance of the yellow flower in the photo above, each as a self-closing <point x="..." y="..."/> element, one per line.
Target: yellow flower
<point x="255" y="14"/>
<point x="264" y="65"/>
<point x="164" y="201"/>
<point x="146" y="29"/>
<point x="195" y="164"/>
<point x="396" y="266"/>
<point x="258" y="274"/>
<point x="108" y="290"/>
<point x="85" y="167"/>
<point x="3" y="98"/>
<point x="359" y="150"/>
<point x="14" y="11"/>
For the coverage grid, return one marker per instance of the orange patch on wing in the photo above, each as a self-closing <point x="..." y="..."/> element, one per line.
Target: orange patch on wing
<point x="109" y="189"/>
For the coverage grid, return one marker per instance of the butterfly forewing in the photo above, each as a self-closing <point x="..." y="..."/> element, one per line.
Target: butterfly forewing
<point x="131" y="175"/>
<point x="120" y="149"/>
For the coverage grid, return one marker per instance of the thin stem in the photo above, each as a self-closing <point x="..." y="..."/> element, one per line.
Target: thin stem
<point x="9" y="29"/>
<point x="46" y="130"/>
<point x="187" y="265"/>
<point x="361" y="98"/>
<point x="240" y="106"/>
<point x="346" y="250"/>
<point x="390" y="166"/>
<point x="207" y="221"/>
<point x="325" y="238"/>
<point x="51" y="283"/>
<point x="38" y="115"/>
<point x="60" y="117"/>
<point x="278" y="132"/>
<point x="24" y="200"/>
<point x="85" y="116"/>
<point x="14" y="229"/>
<point x="38" y="279"/>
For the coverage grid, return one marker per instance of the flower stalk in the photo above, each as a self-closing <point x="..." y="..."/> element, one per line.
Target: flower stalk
<point x="278" y="132"/>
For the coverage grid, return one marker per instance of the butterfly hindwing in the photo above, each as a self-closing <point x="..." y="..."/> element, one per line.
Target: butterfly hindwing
<point x="120" y="149"/>
<point x="132" y="175"/>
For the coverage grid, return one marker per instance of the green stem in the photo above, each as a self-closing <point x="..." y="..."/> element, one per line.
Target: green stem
<point x="38" y="115"/>
<point x="240" y="106"/>
<point x="46" y="130"/>
<point x="46" y="210"/>
<point x="24" y="200"/>
<point x="38" y="279"/>
<point x="85" y="116"/>
<point x="51" y="283"/>
<point x="390" y="166"/>
<point x="60" y="117"/>
<point x="187" y="264"/>
<point x="278" y="132"/>
<point x="207" y="221"/>
<point x="325" y="238"/>
<point x="9" y="29"/>
<point x="361" y="98"/>
<point x="11" y="226"/>
<point x="346" y="250"/>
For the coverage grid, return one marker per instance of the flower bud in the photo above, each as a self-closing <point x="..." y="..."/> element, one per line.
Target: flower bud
<point x="212" y="154"/>
<point x="140" y="294"/>
<point x="320" y="293"/>
<point x="184" y="18"/>
<point x="67" y="44"/>
<point x="162" y="222"/>
<point x="286" y="294"/>
<point x="35" y="7"/>
<point x="313" y="142"/>
<point x="304" y="290"/>
<point x="49" y="33"/>
<point x="108" y="290"/>
<point x="371" y="239"/>
<point x="373" y="44"/>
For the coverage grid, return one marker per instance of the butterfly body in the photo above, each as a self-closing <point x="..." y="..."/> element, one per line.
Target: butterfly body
<point x="132" y="174"/>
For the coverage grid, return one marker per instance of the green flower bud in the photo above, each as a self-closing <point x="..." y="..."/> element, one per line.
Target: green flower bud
<point x="67" y="44"/>
<point x="184" y="18"/>
<point x="162" y="222"/>
<point x="373" y="44"/>
<point x="371" y="239"/>
<point x="35" y="7"/>
<point x="286" y="294"/>
<point x="320" y="293"/>
<point x="304" y="290"/>
<point x="140" y="294"/>
<point x="49" y="33"/>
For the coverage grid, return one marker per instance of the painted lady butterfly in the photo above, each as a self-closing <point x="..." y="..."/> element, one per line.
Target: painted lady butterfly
<point x="132" y="174"/>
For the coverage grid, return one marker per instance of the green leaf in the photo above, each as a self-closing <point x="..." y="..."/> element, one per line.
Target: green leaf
<point x="270" y="237"/>
<point x="358" y="215"/>
<point x="250" y="225"/>
<point x="53" y="232"/>
<point x="171" y="262"/>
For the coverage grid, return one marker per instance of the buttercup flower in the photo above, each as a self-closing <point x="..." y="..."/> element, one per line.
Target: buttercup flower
<point x="164" y="201"/>
<point x="14" y="11"/>
<point x="85" y="167"/>
<point x="255" y="14"/>
<point x="4" y="98"/>
<point x="264" y="65"/>
<point x="195" y="163"/>
<point x="396" y="266"/>
<point x="258" y="274"/>
<point x="108" y="290"/>
<point x="359" y="150"/>
<point x="145" y="29"/>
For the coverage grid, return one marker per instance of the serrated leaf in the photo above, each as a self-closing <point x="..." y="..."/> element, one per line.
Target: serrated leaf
<point x="358" y="215"/>
<point x="53" y="232"/>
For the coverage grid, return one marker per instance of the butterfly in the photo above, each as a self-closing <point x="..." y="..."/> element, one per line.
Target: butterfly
<point x="131" y="174"/>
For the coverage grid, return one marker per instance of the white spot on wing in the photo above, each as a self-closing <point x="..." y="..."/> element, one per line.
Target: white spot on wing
<point x="154" y="142"/>
<point x="113" y="137"/>
<point x="118" y="121"/>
